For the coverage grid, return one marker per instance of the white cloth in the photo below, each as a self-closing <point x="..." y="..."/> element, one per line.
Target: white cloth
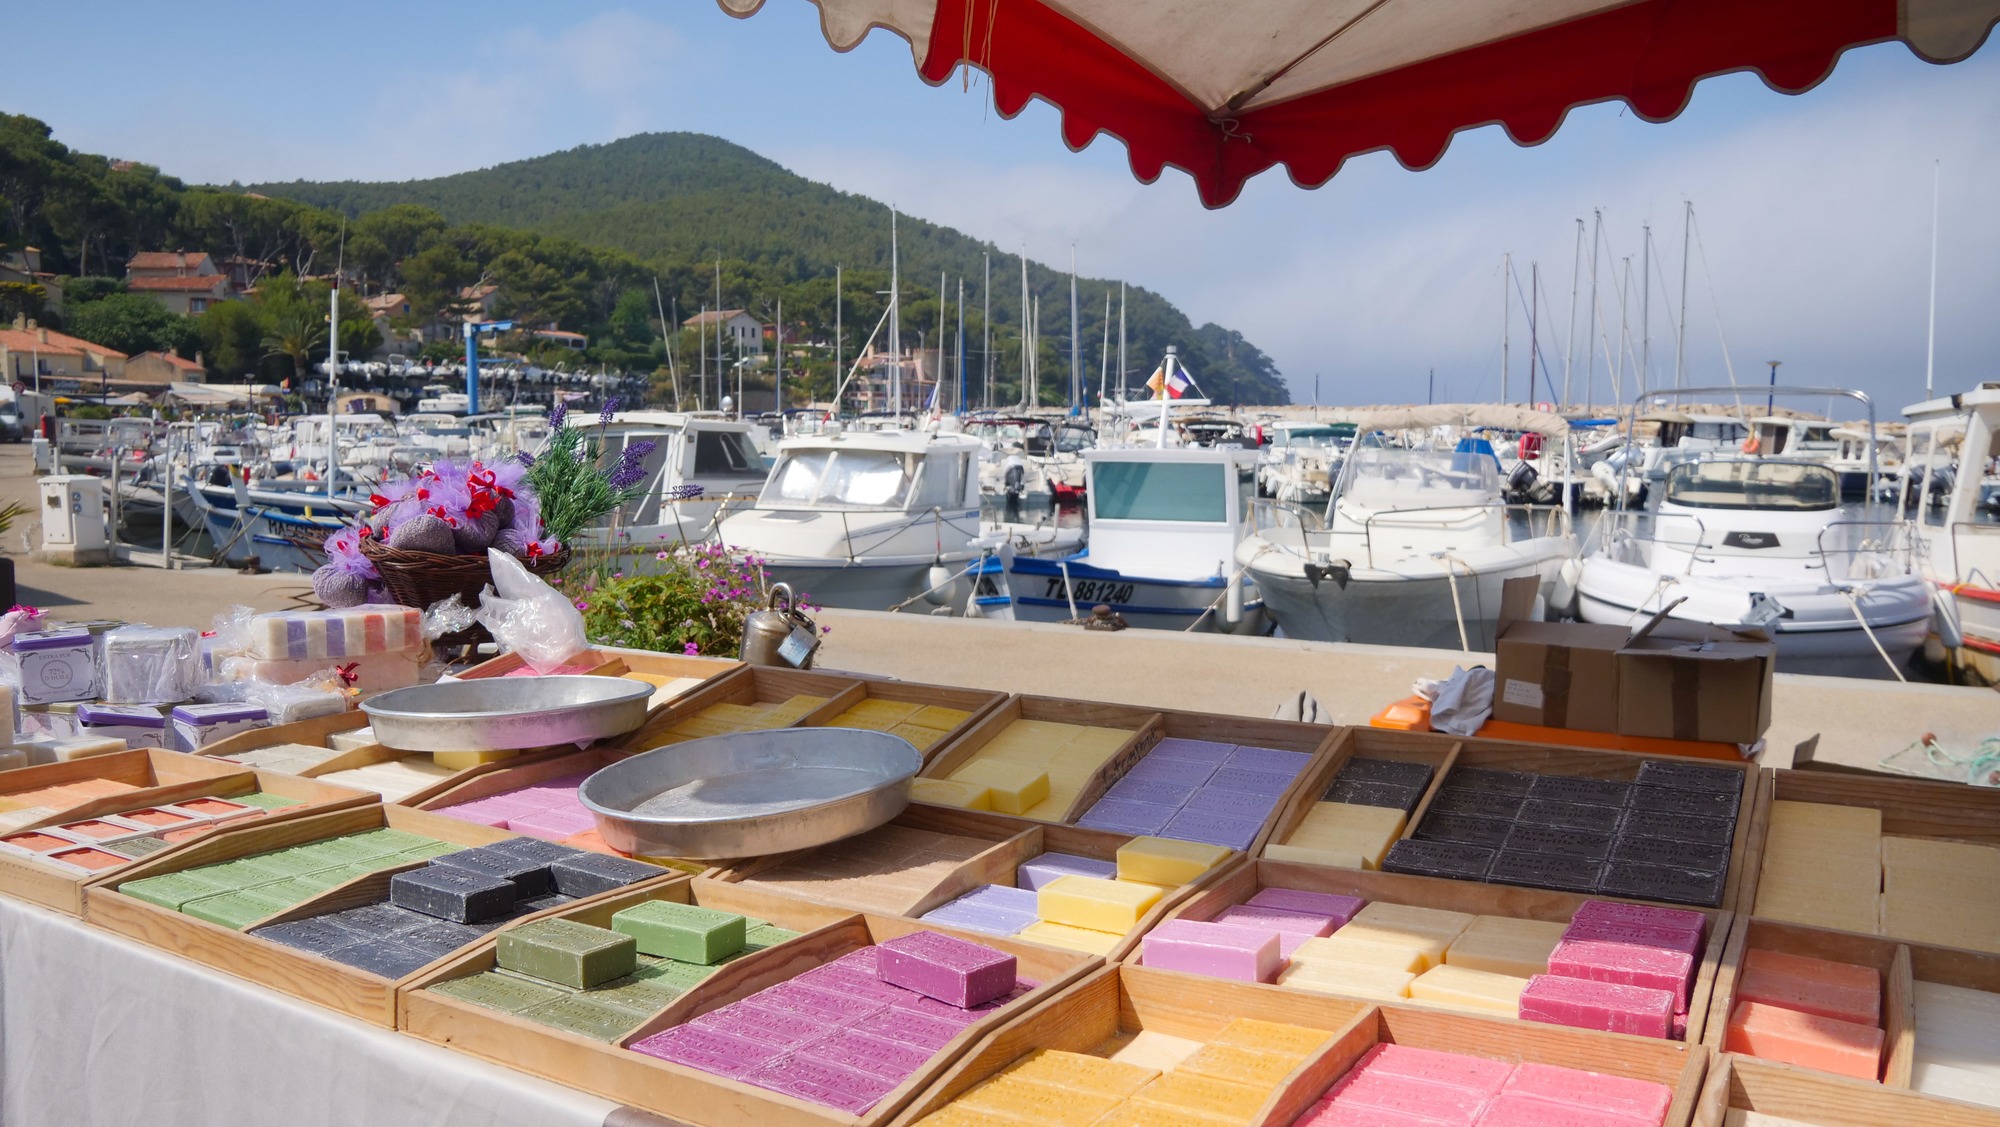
<point x="99" y="1031"/>
<point x="1460" y="704"/>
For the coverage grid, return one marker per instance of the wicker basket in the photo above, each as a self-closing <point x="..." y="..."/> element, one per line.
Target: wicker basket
<point x="420" y="579"/>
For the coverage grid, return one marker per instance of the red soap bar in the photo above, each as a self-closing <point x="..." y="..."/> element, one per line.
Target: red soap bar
<point x="1808" y="1040"/>
<point x="1606" y="1006"/>
<point x="99" y="831"/>
<point x="95" y="860"/>
<point x="1673" y="928"/>
<point x="1511" y="1109"/>
<point x="1626" y="964"/>
<point x="39" y="842"/>
<point x="173" y="836"/>
<point x="153" y="816"/>
<point x="1440" y="1103"/>
<point x="1842" y="991"/>
<point x="1456" y="1069"/>
<point x="1640" y="1099"/>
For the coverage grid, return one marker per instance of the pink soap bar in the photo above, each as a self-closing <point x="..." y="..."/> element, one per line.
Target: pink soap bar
<point x="1213" y="949"/>
<point x="843" y="978"/>
<point x="952" y="970"/>
<point x="1674" y="928"/>
<point x="1456" y="1069"/>
<point x="876" y="1056"/>
<point x="558" y="671"/>
<point x="1512" y="1110"/>
<point x="1260" y="918"/>
<point x="556" y="824"/>
<point x="1440" y="1103"/>
<point x="709" y="1050"/>
<point x="1627" y="964"/>
<point x="907" y="1027"/>
<point x="822" y="1082"/>
<point x="1640" y="1099"/>
<point x="805" y="1001"/>
<point x="909" y="1001"/>
<point x="1358" y="1115"/>
<point x="1607" y="1006"/>
<point x="1340" y="909"/>
<point x="786" y="1031"/>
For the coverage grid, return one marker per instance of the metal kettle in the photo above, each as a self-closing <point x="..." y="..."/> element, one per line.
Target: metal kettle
<point x="780" y="634"/>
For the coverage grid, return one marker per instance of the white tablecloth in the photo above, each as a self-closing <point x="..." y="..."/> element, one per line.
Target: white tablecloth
<point x="98" y="1030"/>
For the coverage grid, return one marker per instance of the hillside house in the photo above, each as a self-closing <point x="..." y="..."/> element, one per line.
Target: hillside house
<point x="166" y="368"/>
<point x="740" y="331"/>
<point x="185" y="283"/>
<point x="24" y="267"/>
<point x="28" y="351"/>
<point x="575" y="341"/>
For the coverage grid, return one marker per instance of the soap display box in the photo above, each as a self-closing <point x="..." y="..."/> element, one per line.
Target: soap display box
<point x="156" y="776"/>
<point x="318" y="730"/>
<point x="977" y="702"/>
<point x="686" y="1095"/>
<point x="1348" y="744"/>
<point x="749" y="684"/>
<point x="1474" y="898"/>
<point x="65" y="892"/>
<point x="288" y="971"/>
<point x="1146" y="726"/>
<point x="677" y="674"/>
<point x="1740" y="1084"/>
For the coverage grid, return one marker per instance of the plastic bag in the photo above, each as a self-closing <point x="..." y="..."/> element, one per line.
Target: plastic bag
<point x="1462" y="703"/>
<point x="150" y="665"/>
<point x="529" y="617"/>
<point x="322" y="694"/>
<point x="447" y="616"/>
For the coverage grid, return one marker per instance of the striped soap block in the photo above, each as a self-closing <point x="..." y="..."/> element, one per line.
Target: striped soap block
<point x="353" y="632"/>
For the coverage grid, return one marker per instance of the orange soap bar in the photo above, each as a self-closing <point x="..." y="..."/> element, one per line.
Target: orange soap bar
<point x="1842" y="991"/>
<point x="1808" y="1040"/>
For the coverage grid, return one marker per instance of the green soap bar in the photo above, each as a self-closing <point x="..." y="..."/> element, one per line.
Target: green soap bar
<point x="579" y="1015"/>
<point x="428" y="850"/>
<point x="514" y="976"/>
<point x="171" y="890"/>
<point x="684" y="932"/>
<point x="568" y="952"/>
<point x="295" y="890"/>
<point x="642" y="997"/>
<point x="499" y="992"/>
<point x="346" y="850"/>
<point x="263" y="801"/>
<point x="390" y="840"/>
<point x="246" y="872"/>
<point x="234" y="910"/>
<point x="681" y="976"/>
<point x="766" y="935"/>
<point x="136" y="847"/>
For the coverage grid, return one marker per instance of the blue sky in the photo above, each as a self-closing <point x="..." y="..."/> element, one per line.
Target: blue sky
<point x="1813" y="213"/>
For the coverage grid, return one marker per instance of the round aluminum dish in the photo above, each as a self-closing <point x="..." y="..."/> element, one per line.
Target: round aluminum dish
<point x="752" y="793"/>
<point x="500" y="713"/>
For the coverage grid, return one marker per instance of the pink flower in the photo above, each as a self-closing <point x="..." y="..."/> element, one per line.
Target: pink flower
<point x="662" y="555"/>
<point x="583" y="604"/>
<point x="691" y="650"/>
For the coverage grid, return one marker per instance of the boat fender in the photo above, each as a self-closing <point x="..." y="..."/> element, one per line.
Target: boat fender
<point x="1562" y="590"/>
<point x="1604" y="473"/>
<point x="1232" y="602"/>
<point x="1946" y="619"/>
<point x="939" y="578"/>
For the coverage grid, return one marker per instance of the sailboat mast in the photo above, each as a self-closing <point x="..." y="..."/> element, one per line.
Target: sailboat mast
<point x="1104" y="355"/>
<point x="839" y="356"/>
<point x="1590" y="327"/>
<point x="1026" y="331"/>
<point x="1506" y="317"/>
<point x="895" y="321"/>
<point x="333" y="383"/>
<point x="701" y="335"/>
<point x="1569" y="343"/>
<point x="667" y="341"/>
<point x="721" y="381"/>
<point x="1930" y="344"/>
<point x="1681" y="343"/>
<point x="986" y="325"/>
<point x="937" y="385"/>
<point x="778" y="368"/>
<point x="960" y="350"/>
<point x="1121" y="341"/>
<point x="1646" y="310"/>
<point x="1075" y="344"/>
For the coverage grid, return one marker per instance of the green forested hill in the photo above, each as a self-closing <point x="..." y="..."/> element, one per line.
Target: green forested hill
<point x="676" y="202"/>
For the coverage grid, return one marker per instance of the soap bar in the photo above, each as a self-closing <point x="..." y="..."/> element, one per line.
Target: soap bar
<point x="566" y="952"/>
<point x="684" y="932"/>
<point x="1449" y="860"/>
<point x="452" y="894"/>
<point x="1438" y="1103"/>
<point x="1680" y="827"/>
<point x="1456" y="1070"/>
<point x="1213" y="949"/>
<point x="1082" y="1072"/>
<point x="1571" y="815"/>
<point x="389" y="958"/>
<point x="1616" y="1095"/>
<point x="1511" y="1109"/>
<point x="1672" y="854"/>
<point x="466" y="760"/>
<point x="1304" y="855"/>
<point x="1152" y="791"/>
<point x="1165" y="862"/>
<point x="1350" y="979"/>
<point x="862" y="1052"/>
<point x="1114" y="906"/>
<point x="1189" y="1091"/>
<point x="1842" y="991"/>
<point x="1231" y="804"/>
<point x="1638" y="923"/>
<point x="1605" y="1006"/>
<point x="588" y="874"/>
<point x="1600" y="961"/>
<point x="1268" y="783"/>
<point x="1470" y="989"/>
<point x="1071" y="938"/>
<point x="992" y="909"/>
<point x="350" y="632"/>
<point x="1790" y="1037"/>
<point x="708" y="1050"/>
<point x="1185" y="774"/>
<point x="951" y="970"/>
<point x="822" y="1082"/>
<point x="1347" y="828"/>
<point x="530" y="878"/>
<point x="1213" y="829"/>
<point x="1118" y="816"/>
<point x="1363" y="792"/>
<point x="1587" y="845"/>
<point x="1413" y="957"/>
<point x="234" y="910"/>
<point x="1381" y="922"/>
<point x="1681" y="774"/>
<point x="1197" y="751"/>
<point x="1303" y="925"/>
<point x="1010" y="1099"/>
<point x="1332" y="905"/>
<point x="1576" y="788"/>
<point x="1499" y="945"/>
<point x="951" y="792"/>
<point x="1014" y="788"/>
<point x="1470" y="829"/>
<point x="1659" y="882"/>
<point x="1668" y="800"/>
<point x="1047" y="867"/>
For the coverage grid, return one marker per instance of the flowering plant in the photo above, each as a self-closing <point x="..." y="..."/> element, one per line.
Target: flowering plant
<point x="696" y="603"/>
<point x="574" y="486"/>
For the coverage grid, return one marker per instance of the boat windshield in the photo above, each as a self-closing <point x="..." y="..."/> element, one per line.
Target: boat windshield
<point x="851" y="479"/>
<point x="1769" y="486"/>
<point x="1390" y="478"/>
<point x="1312" y="436"/>
<point x="1194" y="492"/>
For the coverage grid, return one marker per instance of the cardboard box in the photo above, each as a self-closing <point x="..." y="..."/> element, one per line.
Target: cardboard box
<point x="1684" y="681"/>
<point x="1554" y="674"/>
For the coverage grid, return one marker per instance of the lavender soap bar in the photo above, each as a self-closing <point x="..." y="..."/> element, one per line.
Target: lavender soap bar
<point x="951" y="970"/>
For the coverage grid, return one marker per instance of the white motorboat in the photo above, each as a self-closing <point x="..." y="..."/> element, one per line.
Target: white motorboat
<point x="1964" y="544"/>
<point x="1164" y="526"/>
<point x="868" y="519"/>
<point x="701" y="467"/>
<point x="1302" y="460"/>
<point x="1415" y="542"/>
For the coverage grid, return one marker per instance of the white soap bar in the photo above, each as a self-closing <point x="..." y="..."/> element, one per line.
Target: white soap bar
<point x="349" y="741"/>
<point x="1979" y="1086"/>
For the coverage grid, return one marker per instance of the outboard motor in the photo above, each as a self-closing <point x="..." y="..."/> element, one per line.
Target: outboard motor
<point x="1521" y="481"/>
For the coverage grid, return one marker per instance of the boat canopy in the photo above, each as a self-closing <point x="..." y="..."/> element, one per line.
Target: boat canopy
<point x="1465" y="416"/>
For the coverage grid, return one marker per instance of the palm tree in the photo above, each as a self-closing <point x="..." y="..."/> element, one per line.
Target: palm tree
<point x="295" y="333"/>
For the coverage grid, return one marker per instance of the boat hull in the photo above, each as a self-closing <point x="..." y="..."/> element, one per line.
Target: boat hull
<point x="866" y="586"/>
<point x="1383" y="606"/>
<point x="1045" y="590"/>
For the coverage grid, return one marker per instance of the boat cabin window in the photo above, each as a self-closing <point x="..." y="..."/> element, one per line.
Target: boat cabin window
<point x="1729" y="432"/>
<point x="1070" y="440"/>
<point x="725" y="453"/>
<point x="1194" y="492"/>
<point x="861" y="479"/>
<point x="1774" y="486"/>
<point x="1391" y="478"/>
<point x="942" y="483"/>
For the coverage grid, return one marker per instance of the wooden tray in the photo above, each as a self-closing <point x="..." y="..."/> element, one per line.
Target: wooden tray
<point x="749" y="684"/>
<point x="1238" y="885"/>
<point x="160" y="776"/>
<point x="616" y="661"/>
<point x="978" y="702"/>
<point x="313" y="731"/>
<point x="686" y="1095"/>
<point x="1437" y="752"/>
<point x="41" y="884"/>
<point x="1748" y="1084"/>
<point x="1144" y="724"/>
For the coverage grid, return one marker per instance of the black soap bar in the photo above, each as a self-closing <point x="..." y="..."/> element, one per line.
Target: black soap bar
<point x="536" y="849"/>
<point x="1360" y="792"/>
<point x="1669" y="800"/>
<point x="1587" y="845"/>
<point x="1675" y="854"/>
<point x="1491" y="778"/>
<point x="440" y="938"/>
<point x="318" y="935"/>
<point x="1470" y="829"/>
<point x="1396" y="771"/>
<point x="542" y="903"/>
<point x="1545" y="870"/>
<point x="378" y="919"/>
<point x="458" y="895"/>
<point x="1680" y="827"/>
<point x="1690" y="776"/>
<point x="1571" y="815"/>
<point x="1449" y="859"/>
<point x="1635" y="881"/>
<point x="531" y="878"/>
<point x="1454" y="799"/>
<point x="1575" y="788"/>
<point x="588" y="874"/>
<point x="386" y="957"/>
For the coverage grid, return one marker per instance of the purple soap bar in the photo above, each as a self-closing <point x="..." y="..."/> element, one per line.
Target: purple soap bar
<point x="1032" y="875"/>
<point x="908" y="1027"/>
<point x="1301" y="924"/>
<point x="1021" y="987"/>
<point x="909" y="1001"/>
<point x="1340" y="908"/>
<point x="1118" y="816"/>
<point x="844" y="978"/>
<point x="951" y="970"/>
<point x="1213" y="829"/>
<point x="1213" y="949"/>
<point x="1195" y="751"/>
<point x="1156" y="792"/>
<point x="1231" y="803"/>
<point x="808" y="1001"/>
<point x="861" y="959"/>
<point x="1602" y="961"/>
<point x="976" y="913"/>
<point x="822" y="1082"/>
<point x="1179" y="772"/>
<point x="1269" y="759"/>
<point x="1256" y="782"/>
<point x="708" y="1050"/>
<point x="786" y="1031"/>
<point x="863" y="1052"/>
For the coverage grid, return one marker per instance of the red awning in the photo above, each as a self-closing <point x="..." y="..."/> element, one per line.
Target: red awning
<point x="1224" y="89"/>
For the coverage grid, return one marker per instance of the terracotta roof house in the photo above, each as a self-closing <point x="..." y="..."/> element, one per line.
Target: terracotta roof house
<point x="165" y="367"/>
<point x="738" y="328"/>
<point x="185" y="283"/>
<point x="28" y="350"/>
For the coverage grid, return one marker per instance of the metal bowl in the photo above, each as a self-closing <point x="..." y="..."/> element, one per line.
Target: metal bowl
<point x="498" y="713"/>
<point x="752" y="793"/>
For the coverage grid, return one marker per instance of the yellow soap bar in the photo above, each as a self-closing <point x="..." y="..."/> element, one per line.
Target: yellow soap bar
<point x="1070" y="938"/>
<point x="1054" y="808"/>
<point x="1099" y="742"/>
<point x="1114" y="906"/>
<point x="461" y="760"/>
<point x="1981" y="862"/>
<point x="1361" y="953"/>
<point x="1189" y="1091"/>
<point x="1296" y="1042"/>
<point x="1016" y="787"/>
<point x="1164" y="861"/>
<point x="1841" y="910"/>
<point x="1083" y="1072"/>
<point x="921" y="738"/>
<point x="351" y="739"/>
<point x="1849" y="820"/>
<point x="1470" y="989"/>
<point x="1038" y="1102"/>
<point x="891" y="709"/>
<point x="1158" y="1051"/>
<point x="1347" y="978"/>
<point x="1340" y="827"/>
<point x="958" y="1115"/>
<point x="1502" y="945"/>
<point x="1151" y="1115"/>
<point x="937" y="716"/>
<point x="1302" y="856"/>
<point x="1430" y="921"/>
<point x="1823" y="867"/>
<point x="1234" y="1062"/>
<point x="1972" y="924"/>
<point x="951" y="792"/>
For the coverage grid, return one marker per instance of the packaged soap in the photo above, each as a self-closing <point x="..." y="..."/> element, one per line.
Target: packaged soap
<point x="137" y="724"/>
<point x="57" y="665"/>
<point x="195" y="726"/>
<point x="150" y="665"/>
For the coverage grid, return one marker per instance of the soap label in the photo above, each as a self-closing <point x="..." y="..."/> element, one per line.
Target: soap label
<point x="1527" y="694"/>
